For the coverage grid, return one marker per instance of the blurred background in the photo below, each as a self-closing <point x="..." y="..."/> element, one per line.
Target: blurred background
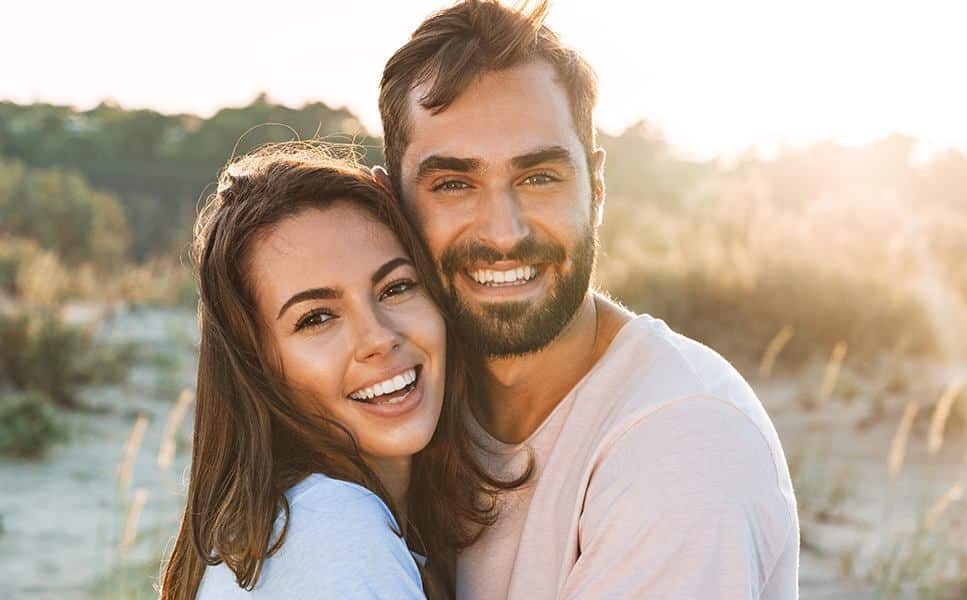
<point x="787" y="182"/>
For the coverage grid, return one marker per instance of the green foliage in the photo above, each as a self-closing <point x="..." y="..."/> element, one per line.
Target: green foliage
<point x="39" y="352"/>
<point x="28" y="425"/>
<point x="61" y="212"/>
<point x="14" y="253"/>
<point x="158" y="165"/>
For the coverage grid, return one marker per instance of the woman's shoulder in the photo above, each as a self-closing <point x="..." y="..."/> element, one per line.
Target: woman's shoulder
<point x="340" y="541"/>
<point x="321" y="496"/>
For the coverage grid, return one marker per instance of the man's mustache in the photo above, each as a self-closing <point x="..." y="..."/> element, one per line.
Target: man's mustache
<point x="528" y="250"/>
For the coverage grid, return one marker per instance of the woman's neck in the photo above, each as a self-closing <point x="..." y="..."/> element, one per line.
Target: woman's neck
<point x="394" y="474"/>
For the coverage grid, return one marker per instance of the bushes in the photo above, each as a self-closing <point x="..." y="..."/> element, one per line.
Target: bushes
<point x="28" y="424"/>
<point x="63" y="213"/>
<point x="736" y="268"/>
<point x="39" y="352"/>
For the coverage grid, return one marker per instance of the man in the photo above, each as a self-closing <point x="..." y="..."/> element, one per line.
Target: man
<point x="658" y="473"/>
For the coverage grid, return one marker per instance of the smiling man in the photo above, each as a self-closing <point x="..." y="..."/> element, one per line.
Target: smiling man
<point x="658" y="473"/>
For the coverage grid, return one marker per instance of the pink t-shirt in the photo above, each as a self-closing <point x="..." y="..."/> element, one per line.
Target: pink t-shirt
<point x="659" y="475"/>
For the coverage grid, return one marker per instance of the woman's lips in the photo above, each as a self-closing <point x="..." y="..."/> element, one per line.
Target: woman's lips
<point x="398" y="402"/>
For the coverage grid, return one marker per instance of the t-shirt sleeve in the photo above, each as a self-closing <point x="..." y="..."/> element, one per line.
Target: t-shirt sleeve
<point x="340" y="543"/>
<point x="687" y="503"/>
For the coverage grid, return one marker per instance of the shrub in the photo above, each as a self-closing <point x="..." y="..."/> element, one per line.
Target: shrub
<point x="14" y="252"/>
<point x="39" y="352"/>
<point x="61" y="211"/>
<point x="28" y="424"/>
<point x="741" y="266"/>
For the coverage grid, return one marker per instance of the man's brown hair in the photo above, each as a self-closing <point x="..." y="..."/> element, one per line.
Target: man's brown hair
<point x="453" y="47"/>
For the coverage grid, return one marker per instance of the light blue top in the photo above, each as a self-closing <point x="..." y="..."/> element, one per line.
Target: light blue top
<point x="341" y="543"/>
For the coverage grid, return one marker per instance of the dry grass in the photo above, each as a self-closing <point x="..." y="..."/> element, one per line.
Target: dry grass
<point x="130" y="453"/>
<point x="166" y="451"/>
<point x="941" y="413"/>
<point x="898" y="448"/>
<point x="744" y="256"/>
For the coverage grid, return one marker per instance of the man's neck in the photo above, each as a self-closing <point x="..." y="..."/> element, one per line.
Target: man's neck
<point x="522" y="391"/>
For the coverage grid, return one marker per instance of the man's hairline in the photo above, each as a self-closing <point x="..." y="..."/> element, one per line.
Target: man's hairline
<point x="412" y="103"/>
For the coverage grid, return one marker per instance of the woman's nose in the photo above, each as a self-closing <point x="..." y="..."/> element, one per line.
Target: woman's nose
<point x="376" y="336"/>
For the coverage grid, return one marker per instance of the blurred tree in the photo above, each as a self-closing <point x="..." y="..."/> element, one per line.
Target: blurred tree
<point x="62" y="212"/>
<point x="159" y="165"/>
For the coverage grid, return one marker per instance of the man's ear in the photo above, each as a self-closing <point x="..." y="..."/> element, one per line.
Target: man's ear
<point x="381" y="176"/>
<point x="597" y="185"/>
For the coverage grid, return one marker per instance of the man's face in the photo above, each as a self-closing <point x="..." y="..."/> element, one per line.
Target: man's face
<point x="499" y="184"/>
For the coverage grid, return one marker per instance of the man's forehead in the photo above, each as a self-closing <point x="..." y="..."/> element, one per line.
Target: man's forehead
<point x="500" y="115"/>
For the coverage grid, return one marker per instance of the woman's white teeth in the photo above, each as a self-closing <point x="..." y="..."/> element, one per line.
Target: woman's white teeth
<point x="393" y="384"/>
<point x="516" y="276"/>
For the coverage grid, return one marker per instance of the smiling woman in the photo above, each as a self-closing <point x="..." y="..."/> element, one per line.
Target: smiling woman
<point x="329" y="456"/>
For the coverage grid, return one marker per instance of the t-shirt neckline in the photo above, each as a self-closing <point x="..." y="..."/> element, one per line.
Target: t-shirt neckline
<point x="493" y="444"/>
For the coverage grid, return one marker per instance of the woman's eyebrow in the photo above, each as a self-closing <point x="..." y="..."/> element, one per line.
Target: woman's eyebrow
<point x="327" y="293"/>
<point x="323" y="293"/>
<point x="388" y="267"/>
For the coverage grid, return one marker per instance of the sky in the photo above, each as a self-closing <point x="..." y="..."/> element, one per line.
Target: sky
<point x="715" y="77"/>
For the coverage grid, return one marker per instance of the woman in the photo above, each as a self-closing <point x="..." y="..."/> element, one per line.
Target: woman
<point x="328" y="429"/>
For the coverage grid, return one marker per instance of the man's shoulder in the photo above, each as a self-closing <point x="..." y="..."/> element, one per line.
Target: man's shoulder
<point x="649" y="364"/>
<point x="649" y="369"/>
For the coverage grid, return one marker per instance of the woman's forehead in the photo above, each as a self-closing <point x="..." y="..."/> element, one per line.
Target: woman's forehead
<point x="337" y="246"/>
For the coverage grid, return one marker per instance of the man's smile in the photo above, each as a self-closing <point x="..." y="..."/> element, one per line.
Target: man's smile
<point x="504" y="281"/>
<point x="502" y="277"/>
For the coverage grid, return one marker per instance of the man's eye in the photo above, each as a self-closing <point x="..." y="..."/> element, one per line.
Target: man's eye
<point x="540" y="179"/>
<point x="397" y="287"/>
<point x="450" y="185"/>
<point x="313" y="319"/>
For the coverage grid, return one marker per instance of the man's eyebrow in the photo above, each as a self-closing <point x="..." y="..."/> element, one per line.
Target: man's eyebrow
<point x="323" y="293"/>
<point x="387" y="268"/>
<point x="436" y="162"/>
<point x="543" y="155"/>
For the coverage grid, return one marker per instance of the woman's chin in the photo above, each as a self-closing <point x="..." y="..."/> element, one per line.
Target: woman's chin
<point x="403" y="430"/>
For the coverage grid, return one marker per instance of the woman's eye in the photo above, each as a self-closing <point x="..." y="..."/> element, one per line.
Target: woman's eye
<point x="396" y="288"/>
<point x="313" y="319"/>
<point x="540" y="179"/>
<point x="451" y="185"/>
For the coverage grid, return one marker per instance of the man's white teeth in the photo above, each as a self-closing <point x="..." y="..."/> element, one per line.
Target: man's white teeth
<point x="518" y="276"/>
<point x="393" y="384"/>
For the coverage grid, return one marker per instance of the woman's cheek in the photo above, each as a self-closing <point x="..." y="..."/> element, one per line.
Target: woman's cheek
<point x="312" y="367"/>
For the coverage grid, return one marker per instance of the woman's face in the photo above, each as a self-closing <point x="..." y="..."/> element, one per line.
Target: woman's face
<point x="356" y="334"/>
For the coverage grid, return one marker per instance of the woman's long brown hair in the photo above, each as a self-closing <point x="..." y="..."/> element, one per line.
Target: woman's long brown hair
<point x="251" y="443"/>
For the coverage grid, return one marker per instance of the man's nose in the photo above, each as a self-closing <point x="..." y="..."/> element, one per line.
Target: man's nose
<point x="376" y="336"/>
<point x="500" y="221"/>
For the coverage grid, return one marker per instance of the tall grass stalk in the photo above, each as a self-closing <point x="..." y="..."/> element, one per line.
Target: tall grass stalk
<point x="139" y="499"/>
<point x="773" y="349"/>
<point x="131" y="447"/>
<point x="166" y="451"/>
<point x="940" y="414"/>
<point x="898" y="448"/>
<point x="953" y="494"/>
<point x="833" y="368"/>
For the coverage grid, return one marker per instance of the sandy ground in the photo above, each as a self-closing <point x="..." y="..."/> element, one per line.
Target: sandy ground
<point x="63" y="516"/>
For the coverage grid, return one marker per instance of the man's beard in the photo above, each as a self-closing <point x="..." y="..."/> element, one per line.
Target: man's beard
<point x="504" y="329"/>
